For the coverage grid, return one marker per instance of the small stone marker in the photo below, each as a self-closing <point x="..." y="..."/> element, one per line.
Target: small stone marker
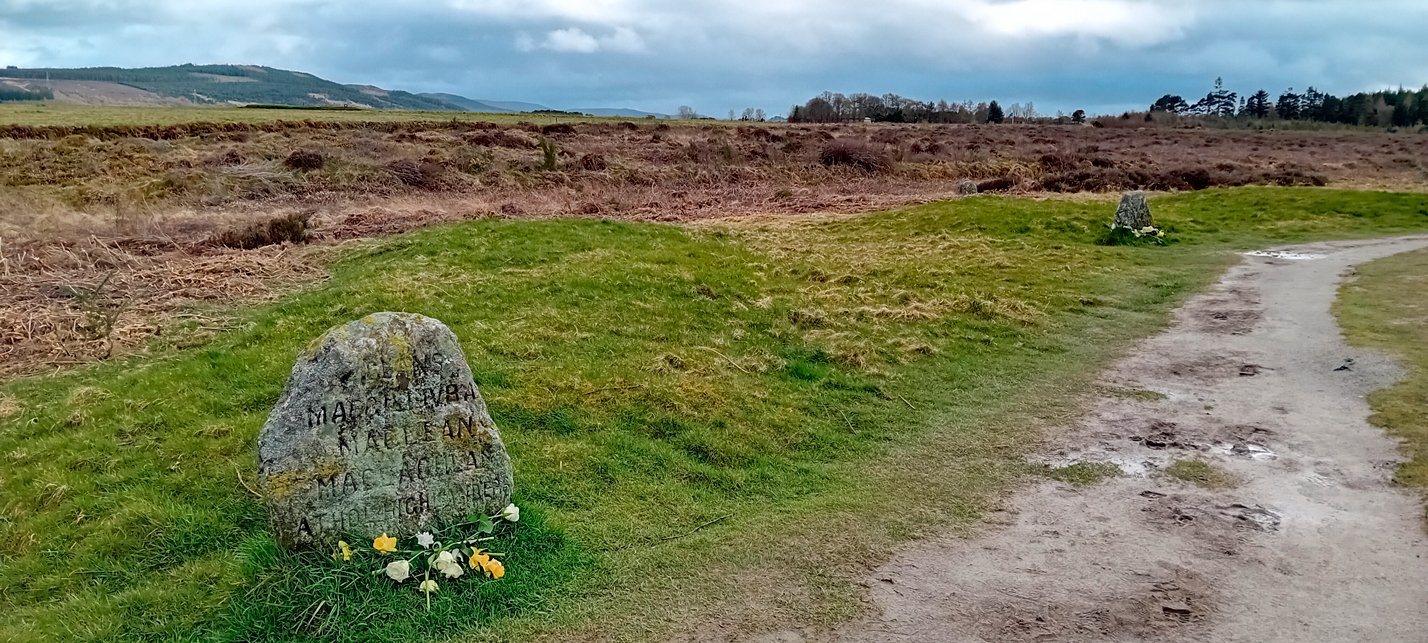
<point x="1133" y="212"/>
<point x="380" y="430"/>
<point x="966" y="186"/>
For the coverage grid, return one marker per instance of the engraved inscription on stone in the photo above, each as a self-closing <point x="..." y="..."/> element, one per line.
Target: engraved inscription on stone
<point x="380" y="430"/>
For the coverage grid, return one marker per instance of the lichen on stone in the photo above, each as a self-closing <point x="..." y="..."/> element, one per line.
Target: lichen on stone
<point x="360" y="439"/>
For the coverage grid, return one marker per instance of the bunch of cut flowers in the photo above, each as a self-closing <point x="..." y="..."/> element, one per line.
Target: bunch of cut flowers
<point x="432" y="556"/>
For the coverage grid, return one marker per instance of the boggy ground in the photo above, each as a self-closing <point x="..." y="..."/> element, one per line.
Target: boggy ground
<point x="1297" y="536"/>
<point x="114" y="235"/>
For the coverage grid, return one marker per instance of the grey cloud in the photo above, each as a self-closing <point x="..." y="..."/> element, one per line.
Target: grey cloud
<point x="1062" y="54"/>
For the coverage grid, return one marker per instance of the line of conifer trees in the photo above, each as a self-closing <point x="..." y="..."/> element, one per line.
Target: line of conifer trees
<point x="8" y="93"/>
<point x="1400" y="107"/>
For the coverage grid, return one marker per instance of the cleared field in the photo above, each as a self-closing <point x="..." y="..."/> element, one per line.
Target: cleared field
<point x="810" y="390"/>
<point x="29" y="114"/>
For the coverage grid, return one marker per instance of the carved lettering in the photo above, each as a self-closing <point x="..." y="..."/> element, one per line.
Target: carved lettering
<point x="384" y="431"/>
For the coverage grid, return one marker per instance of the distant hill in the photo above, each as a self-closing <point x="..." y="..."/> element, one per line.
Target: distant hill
<point x="512" y="105"/>
<point x="518" y="106"/>
<point x="191" y="84"/>
<point x="213" y="84"/>
<point x="617" y="111"/>
<point x="467" y="104"/>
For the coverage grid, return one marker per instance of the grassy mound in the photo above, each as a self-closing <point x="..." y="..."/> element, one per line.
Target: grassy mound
<point x="1383" y="308"/>
<point x="752" y="409"/>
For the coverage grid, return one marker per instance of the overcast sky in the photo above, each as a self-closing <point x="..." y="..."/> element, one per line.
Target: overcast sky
<point x="1100" y="55"/>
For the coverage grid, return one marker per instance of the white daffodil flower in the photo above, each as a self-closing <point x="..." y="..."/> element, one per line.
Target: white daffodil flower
<point x="425" y="539"/>
<point x="511" y="513"/>
<point x="451" y="570"/>
<point x="427" y="586"/>
<point x="399" y="570"/>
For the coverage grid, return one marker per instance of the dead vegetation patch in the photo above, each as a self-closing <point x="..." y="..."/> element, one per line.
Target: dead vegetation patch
<point x="304" y="160"/>
<point x="71" y="304"/>
<point x="294" y="227"/>
<point x="857" y="154"/>
<point x="132" y="199"/>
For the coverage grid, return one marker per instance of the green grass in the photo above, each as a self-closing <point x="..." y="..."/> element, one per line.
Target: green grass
<point x="1385" y="307"/>
<point x="1201" y="473"/>
<point x="103" y="116"/>
<point x="833" y="387"/>
<point x="1084" y="474"/>
<point x="1141" y="394"/>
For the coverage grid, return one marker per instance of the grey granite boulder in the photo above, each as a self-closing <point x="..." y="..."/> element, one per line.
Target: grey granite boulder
<point x="380" y="430"/>
<point x="1133" y="212"/>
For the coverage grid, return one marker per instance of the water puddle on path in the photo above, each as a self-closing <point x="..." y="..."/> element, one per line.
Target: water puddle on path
<point x="1284" y="254"/>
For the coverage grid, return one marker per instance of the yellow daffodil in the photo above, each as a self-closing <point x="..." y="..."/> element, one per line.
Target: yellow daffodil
<point x="495" y="569"/>
<point x="478" y="560"/>
<point x="384" y="543"/>
<point x="344" y="550"/>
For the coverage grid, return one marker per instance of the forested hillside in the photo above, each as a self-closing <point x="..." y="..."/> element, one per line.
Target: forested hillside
<point x="234" y="84"/>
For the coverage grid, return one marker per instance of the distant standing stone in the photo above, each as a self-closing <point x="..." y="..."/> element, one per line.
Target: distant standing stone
<point x="1133" y="212"/>
<point x="966" y="187"/>
<point x="380" y="430"/>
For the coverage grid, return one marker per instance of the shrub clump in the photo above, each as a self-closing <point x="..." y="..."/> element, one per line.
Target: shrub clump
<point x="289" y="228"/>
<point x="228" y="157"/>
<point x="999" y="184"/>
<point x="514" y="139"/>
<point x="305" y="160"/>
<point x="855" y="154"/>
<point x="425" y="174"/>
<point x="1293" y="176"/>
<point x="593" y="162"/>
<point x="1086" y="180"/>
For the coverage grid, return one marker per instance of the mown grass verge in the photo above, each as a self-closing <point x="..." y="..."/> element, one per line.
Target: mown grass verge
<point x="1385" y="307"/>
<point x="813" y="390"/>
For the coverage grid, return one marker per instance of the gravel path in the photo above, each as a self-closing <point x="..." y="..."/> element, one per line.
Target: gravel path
<point x="1312" y="543"/>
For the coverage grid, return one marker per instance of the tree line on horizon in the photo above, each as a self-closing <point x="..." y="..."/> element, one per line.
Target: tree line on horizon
<point x="9" y="93"/>
<point x="831" y="107"/>
<point x="1388" y="108"/>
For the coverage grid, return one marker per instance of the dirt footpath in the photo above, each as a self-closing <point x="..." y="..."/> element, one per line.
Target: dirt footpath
<point x="1312" y="544"/>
